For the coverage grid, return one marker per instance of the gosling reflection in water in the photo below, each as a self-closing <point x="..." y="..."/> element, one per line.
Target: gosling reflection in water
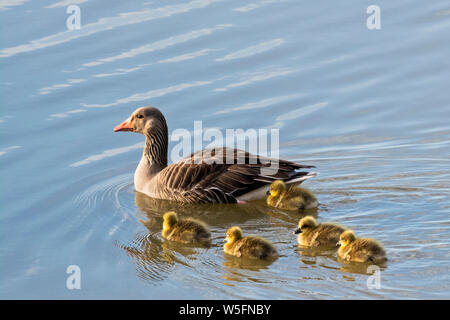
<point x="246" y="263"/>
<point x="367" y="268"/>
<point x="155" y="259"/>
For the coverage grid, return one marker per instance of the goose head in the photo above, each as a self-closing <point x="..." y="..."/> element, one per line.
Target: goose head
<point x="306" y="223"/>
<point x="144" y="120"/>
<point x="233" y="234"/>
<point x="277" y="188"/>
<point x="169" y="220"/>
<point x="346" y="238"/>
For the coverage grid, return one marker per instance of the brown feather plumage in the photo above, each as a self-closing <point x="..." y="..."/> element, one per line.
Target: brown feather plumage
<point x="290" y="197"/>
<point x="184" y="230"/>
<point x="325" y="234"/>
<point x="250" y="246"/>
<point x="187" y="181"/>
<point x="360" y="249"/>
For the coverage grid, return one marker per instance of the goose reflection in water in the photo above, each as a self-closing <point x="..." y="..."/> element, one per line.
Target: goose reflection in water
<point x="217" y="216"/>
<point x="312" y="256"/>
<point x="155" y="258"/>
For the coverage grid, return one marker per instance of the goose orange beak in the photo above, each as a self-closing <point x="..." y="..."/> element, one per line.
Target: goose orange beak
<point x="124" y="126"/>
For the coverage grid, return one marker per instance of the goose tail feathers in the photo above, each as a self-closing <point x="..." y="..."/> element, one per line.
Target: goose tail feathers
<point x="297" y="180"/>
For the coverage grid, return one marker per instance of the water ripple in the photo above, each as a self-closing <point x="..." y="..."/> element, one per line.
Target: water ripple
<point x="103" y="24"/>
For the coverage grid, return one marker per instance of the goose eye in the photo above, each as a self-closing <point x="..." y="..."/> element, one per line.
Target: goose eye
<point x="140" y="116"/>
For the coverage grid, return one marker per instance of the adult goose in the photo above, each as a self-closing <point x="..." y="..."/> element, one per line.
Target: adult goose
<point x="207" y="176"/>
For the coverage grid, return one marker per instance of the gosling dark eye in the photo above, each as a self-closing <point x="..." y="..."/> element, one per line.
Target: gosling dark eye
<point x="140" y="116"/>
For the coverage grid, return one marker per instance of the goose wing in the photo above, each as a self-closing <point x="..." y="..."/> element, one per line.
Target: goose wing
<point x="221" y="175"/>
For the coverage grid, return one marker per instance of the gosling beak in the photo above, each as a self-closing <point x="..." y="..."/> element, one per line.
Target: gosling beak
<point x="124" y="126"/>
<point x="268" y="193"/>
<point x="297" y="231"/>
<point x="338" y="244"/>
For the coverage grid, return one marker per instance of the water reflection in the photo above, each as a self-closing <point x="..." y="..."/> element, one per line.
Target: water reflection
<point x="317" y="252"/>
<point x="246" y="263"/>
<point x="154" y="257"/>
<point x="217" y="216"/>
<point x="148" y="256"/>
<point x="105" y="24"/>
<point x="360" y="267"/>
<point x="245" y="269"/>
<point x="158" y="45"/>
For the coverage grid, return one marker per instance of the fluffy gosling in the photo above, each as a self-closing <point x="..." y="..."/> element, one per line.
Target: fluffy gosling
<point x="290" y="197"/>
<point x="185" y="230"/>
<point x="360" y="249"/>
<point x="312" y="234"/>
<point x="250" y="246"/>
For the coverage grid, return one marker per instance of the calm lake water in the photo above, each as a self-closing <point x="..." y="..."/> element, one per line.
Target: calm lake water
<point x="369" y="108"/>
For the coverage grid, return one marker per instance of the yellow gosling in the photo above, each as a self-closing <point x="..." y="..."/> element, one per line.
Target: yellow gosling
<point x="184" y="230"/>
<point x="312" y="234"/>
<point x="250" y="246"/>
<point x="290" y="197"/>
<point x="360" y="249"/>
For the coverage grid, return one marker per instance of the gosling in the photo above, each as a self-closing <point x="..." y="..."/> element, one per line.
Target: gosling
<point x="312" y="234"/>
<point x="185" y="230"/>
<point x="360" y="249"/>
<point x="290" y="197"/>
<point x="250" y="246"/>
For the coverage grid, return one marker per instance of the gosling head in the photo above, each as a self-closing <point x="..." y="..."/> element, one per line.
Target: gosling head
<point x="233" y="234"/>
<point x="169" y="220"/>
<point x="346" y="238"/>
<point x="306" y="223"/>
<point x="277" y="188"/>
<point x="144" y="120"/>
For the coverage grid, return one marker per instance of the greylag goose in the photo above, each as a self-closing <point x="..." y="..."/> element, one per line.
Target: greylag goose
<point x="290" y="198"/>
<point x="360" y="249"/>
<point x="312" y="234"/>
<point x="213" y="179"/>
<point x="251" y="246"/>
